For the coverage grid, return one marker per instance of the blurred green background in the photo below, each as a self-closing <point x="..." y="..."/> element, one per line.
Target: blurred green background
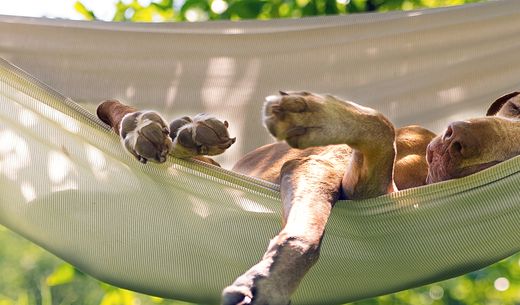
<point x="202" y="10"/>
<point x="32" y="276"/>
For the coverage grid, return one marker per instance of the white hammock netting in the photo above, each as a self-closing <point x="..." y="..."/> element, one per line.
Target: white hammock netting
<point x="185" y="230"/>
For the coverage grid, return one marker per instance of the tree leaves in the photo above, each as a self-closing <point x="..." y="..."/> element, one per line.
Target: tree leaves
<point x="63" y="274"/>
<point x="201" y="10"/>
<point x="86" y="13"/>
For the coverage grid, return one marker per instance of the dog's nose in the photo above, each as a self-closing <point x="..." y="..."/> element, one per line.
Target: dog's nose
<point x="461" y="140"/>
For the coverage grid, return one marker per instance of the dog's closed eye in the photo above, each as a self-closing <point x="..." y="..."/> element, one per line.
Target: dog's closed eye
<point x="514" y="109"/>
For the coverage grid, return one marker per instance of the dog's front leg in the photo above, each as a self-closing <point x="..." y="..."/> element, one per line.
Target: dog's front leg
<point x="309" y="187"/>
<point x="147" y="136"/>
<point x="144" y="134"/>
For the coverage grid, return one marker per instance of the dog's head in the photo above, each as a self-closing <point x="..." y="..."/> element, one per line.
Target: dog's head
<point x="467" y="147"/>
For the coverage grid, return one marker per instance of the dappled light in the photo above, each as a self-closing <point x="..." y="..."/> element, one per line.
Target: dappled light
<point x="219" y="77"/>
<point x="171" y="92"/>
<point x="414" y="14"/>
<point x="66" y="122"/>
<point x="452" y="95"/>
<point x="97" y="162"/>
<point x="199" y="207"/>
<point x="130" y="92"/>
<point x="28" y="118"/>
<point x="372" y="51"/>
<point x="28" y="191"/>
<point x="58" y="166"/>
<point x="224" y="82"/>
<point x="252" y="206"/>
<point x="234" y="31"/>
<point x="14" y="153"/>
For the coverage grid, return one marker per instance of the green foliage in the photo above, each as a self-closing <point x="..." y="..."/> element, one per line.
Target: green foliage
<point x="87" y="14"/>
<point x="200" y="10"/>
<point x="63" y="274"/>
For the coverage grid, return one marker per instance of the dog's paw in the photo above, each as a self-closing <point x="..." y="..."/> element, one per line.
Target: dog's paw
<point x="253" y="288"/>
<point x="145" y="134"/>
<point x="241" y="292"/>
<point x="276" y="277"/>
<point x="198" y="136"/>
<point x="305" y="119"/>
<point x="299" y="118"/>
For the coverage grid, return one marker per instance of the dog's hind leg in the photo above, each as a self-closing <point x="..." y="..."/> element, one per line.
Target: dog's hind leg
<point x="309" y="186"/>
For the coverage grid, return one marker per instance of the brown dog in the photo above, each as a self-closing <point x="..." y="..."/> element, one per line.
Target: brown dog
<point x="338" y="149"/>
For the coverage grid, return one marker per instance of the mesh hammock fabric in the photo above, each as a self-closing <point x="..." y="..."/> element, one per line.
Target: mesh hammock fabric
<point x="185" y="230"/>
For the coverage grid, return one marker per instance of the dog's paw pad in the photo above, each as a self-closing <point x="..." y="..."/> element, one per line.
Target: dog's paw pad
<point x="200" y="135"/>
<point x="292" y="116"/>
<point x="146" y="136"/>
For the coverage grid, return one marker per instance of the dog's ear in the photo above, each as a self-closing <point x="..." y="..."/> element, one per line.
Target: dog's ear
<point x="497" y="105"/>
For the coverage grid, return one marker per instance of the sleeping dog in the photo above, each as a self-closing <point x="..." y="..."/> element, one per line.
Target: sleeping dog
<point x="329" y="149"/>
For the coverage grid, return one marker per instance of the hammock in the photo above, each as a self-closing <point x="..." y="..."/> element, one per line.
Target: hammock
<point x="185" y="230"/>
